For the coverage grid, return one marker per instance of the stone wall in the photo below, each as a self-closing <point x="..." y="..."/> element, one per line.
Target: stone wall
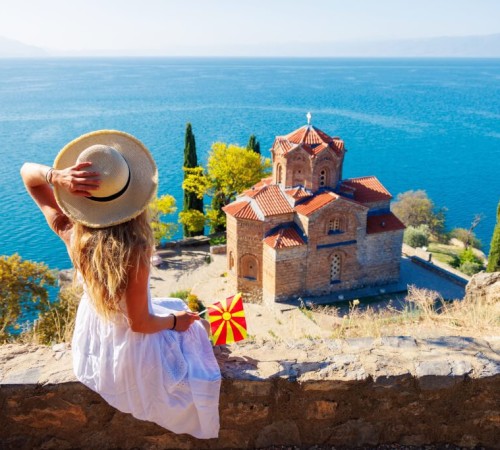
<point x="381" y="257"/>
<point x="347" y="393"/>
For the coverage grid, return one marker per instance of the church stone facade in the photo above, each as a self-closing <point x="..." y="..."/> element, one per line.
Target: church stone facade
<point x="307" y="231"/>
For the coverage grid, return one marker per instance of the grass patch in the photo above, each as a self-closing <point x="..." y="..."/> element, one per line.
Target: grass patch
<point x="424" y="312"/>
<point x="444" y="253"/>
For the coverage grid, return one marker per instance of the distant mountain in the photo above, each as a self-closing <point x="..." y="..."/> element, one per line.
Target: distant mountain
<point x="10" y="48"/>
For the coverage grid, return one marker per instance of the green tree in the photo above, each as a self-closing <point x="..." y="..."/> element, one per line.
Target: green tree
<point x="230" y="170"/>
<point x="159" y="208"/>
<point x="191" y="201"/>
<point x="415" y="208"/>
<point x="253" y="144"/>
<point x="192" y="220"/>
<point x="23" y="290"/>
<point x="494" y="256"/>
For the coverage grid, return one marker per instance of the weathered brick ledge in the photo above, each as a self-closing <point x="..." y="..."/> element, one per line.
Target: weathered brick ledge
<point x="346" y="393"/>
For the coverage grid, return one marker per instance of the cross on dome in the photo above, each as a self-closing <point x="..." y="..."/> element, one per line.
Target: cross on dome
<point x="308" y="116"/>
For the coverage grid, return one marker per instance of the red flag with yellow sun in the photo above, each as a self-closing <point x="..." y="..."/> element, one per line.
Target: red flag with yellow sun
<point x="227" y="320"/>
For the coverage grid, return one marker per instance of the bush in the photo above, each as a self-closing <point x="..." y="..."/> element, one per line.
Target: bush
<point x="58" y="322"/>
<point x="468" y="256"/>
<point x="416" y="236"/>
<point x="470" y="268"/>
<point x="182" y="294"/>
<point x="218" y="240"/>
<point x="193" y="303"/>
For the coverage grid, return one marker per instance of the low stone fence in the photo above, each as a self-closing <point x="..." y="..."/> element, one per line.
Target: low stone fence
<point x="323" y="393"/>
<point x="424" y="259"/>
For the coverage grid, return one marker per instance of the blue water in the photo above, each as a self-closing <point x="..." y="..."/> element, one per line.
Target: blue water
<point x="414" y="123"/>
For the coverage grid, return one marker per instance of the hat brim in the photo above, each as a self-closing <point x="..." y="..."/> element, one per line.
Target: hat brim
<point x="140" y="192"/>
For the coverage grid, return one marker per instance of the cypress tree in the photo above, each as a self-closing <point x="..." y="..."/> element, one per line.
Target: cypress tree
<point x="191" y="201"/>
<point x="494" y="256"/>
<point x="253" y="144"/>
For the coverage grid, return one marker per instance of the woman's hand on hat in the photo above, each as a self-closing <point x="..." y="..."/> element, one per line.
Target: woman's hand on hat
<point x="184" y="319"/>
<point x="76" y="180"/>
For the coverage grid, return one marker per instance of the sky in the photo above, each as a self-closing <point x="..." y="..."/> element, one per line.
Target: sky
<point x="155" y="25"/>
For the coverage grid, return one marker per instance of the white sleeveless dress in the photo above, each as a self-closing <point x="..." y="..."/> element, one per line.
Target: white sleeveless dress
<point x="170" y="378"/>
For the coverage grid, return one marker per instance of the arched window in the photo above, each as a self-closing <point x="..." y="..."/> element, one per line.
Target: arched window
<point x="249" y="267"/>
<point x="335" y="267"/>
<point x="231" y="260"/>
<point x="279" y="173"/>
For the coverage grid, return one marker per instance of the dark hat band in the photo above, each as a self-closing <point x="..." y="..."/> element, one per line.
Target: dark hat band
<point x="114" y="196"/>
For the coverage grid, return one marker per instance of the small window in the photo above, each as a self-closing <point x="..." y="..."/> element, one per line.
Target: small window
<point x="334" y="226"/>
<point x="322" y="178"/>
<point x="279" y="173"/>
<point x="335" y="268"/>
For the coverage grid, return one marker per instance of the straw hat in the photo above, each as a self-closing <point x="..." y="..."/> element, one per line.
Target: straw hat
<point x="128" y="175"/>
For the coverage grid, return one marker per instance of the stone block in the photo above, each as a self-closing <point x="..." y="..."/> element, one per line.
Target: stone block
<point x="489" y="367"/>
<point x="399" y="341"/>
<point x="321" y="410"/>
<point x="283" y="432"/>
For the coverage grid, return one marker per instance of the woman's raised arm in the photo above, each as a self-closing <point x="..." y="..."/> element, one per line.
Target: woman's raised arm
<point x="38" y="179"/>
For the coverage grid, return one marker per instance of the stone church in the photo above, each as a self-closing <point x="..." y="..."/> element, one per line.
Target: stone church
<point x="307" y="231"/>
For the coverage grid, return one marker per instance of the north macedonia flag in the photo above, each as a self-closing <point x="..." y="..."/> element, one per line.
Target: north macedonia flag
<point x="227" y="320"/>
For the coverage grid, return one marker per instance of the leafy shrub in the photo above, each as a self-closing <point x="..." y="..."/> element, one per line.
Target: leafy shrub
<point x="58" y="322"/>
<point x="218" y="240"/>
<point x="468" y="255"/>
<point x="416" y="236"/>
<point x="470" y="268"/>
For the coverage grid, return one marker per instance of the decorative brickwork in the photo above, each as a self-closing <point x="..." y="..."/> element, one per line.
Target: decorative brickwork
<point x="305" y="231"/>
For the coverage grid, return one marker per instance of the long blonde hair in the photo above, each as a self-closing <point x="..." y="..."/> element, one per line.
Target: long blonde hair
<point x="105" y="256"/>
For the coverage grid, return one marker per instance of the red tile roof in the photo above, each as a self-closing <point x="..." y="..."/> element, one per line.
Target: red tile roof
<point x="283" y="238"/>
<point x="298" y="193"/>
<point x="281" y="145"/>
<point x="308" y="135"/>
<point x="241" y="210"/>
<point x="234" y="208"/>
<point x="258" y="186"/>
<point x="382" y="223"/>
<point x="311" y="205"/>
<point x="310" y="138"/>
<point x="367" y="189"/>
<point x="272" y="201"/>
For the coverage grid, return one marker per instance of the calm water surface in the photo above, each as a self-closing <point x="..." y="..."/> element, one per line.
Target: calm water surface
<point x="414" y="123"/>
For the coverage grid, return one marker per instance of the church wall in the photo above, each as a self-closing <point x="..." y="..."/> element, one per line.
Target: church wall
<point x="245" y="253"/>
<point x="284" y="270"/>
<point x="329" y="162"/>
<point x="324" y="247"/>
<point x="298" y="169"/>
<point x="382" y="260"/>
